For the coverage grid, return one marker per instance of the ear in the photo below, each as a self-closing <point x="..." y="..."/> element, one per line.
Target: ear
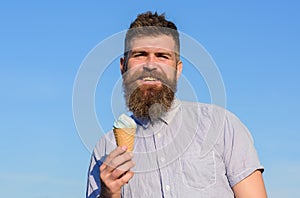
<point x="122" y="67"/>
<point x="179" y="69"/>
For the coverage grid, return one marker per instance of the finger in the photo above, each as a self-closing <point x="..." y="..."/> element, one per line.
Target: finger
<point x="114" y="185"/>
<point x="119" y="161"/>
<point x="117" y="151"/>
<point x="104" y="174"/>
<point x="118" y="172"/>
<point x="126" y="166"/>
<point x="117" y="167"/>
<point x="102" y="167"/>
<point x="125" y="178"/>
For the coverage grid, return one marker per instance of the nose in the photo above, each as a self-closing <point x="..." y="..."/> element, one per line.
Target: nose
<point x="151" y="58"/>
<point x="150" y="64"/>
<point x="149" y="67"/>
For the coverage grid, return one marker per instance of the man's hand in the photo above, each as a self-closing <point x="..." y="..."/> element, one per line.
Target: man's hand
<point x="114" y="172"/>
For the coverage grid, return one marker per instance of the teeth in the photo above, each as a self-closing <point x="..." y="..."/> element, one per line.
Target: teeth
<point x="149" y="79"/>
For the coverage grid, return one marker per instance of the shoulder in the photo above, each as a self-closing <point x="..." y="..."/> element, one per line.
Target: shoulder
<point x="204" y="110"/>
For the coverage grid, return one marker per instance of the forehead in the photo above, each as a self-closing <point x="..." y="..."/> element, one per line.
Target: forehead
<point x="162" y="42"/>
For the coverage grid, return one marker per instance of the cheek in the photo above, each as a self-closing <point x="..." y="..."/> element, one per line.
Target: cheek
<point x="135" y="63"/>
<point x="170" y="71"/>
<point x="131" y="73"/>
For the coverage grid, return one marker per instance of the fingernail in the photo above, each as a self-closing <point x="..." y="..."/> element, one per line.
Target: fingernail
<point x="124" y="148"/>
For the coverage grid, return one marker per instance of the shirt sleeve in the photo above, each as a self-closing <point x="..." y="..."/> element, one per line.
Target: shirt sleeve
<point x="103" y="147"/>
<point x="93" y="183"/>
<point x="240" y="155"/>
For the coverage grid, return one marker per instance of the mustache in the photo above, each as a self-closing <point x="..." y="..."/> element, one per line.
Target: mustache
<point x="130" y="76"/>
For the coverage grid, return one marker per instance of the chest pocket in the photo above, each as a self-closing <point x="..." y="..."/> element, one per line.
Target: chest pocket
<point x="198" y="172"/>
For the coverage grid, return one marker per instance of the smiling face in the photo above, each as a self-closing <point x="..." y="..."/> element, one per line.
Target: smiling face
<point x="151" y="74"/>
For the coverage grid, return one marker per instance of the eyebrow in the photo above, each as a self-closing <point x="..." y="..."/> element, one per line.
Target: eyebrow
<point x="164" y="53"/>
<point x="132" y="52"/>
<point x="137" y="51"/>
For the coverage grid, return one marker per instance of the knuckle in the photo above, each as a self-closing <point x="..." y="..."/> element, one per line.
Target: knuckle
<point x="131" y="173"/>
<point x="102" y="167"/>
<point x="130" y="176"/>
<point x="122" y="180"/>
<point x="132" y="163"/>
<point x="113" y="164"/>
<point x="128" y="156"/>
<point x="103" y="175"/>
<point x="108" y="158"/>
<point x="115" y="173"/>
<point x="119" y="150"/>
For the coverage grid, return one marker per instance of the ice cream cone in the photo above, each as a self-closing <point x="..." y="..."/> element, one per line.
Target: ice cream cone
<point x="125" y="137"/>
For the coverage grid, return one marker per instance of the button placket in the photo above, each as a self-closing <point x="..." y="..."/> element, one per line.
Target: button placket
<point x="162" y="159"/>
<point x="158" y="135"/>
<point x="168" y="188"/>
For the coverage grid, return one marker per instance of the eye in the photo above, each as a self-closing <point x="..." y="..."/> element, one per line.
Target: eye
<point x="163" y="56"/>
<point x="138" y="54"/>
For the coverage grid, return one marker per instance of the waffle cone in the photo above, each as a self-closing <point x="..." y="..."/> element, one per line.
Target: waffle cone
<point x="125" y="137"/>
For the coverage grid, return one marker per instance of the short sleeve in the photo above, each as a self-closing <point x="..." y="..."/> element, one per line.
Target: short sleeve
<point x="103" y="147"/>
<point x="93" y="183"/>
<point x="240" y="156"/>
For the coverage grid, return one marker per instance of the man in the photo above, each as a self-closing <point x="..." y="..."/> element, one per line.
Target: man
<point x="182" y="149"/>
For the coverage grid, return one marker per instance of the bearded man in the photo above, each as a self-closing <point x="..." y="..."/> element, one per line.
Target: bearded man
<point x="182" y="149"/>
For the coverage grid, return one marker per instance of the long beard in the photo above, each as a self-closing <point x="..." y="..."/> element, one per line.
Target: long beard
<point x="149" y="102"/>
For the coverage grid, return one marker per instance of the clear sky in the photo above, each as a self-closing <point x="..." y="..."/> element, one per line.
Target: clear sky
<point x="255" y="45"/>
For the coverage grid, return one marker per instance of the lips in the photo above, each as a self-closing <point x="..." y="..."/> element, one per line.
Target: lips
<point x="149" y="81"/>
<point x="148" y="78"/>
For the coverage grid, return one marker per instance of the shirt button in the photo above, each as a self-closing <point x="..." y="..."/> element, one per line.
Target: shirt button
<point x="162" y="159"/>
<point x="158" y="135"/>
<point x="168" y="188"/>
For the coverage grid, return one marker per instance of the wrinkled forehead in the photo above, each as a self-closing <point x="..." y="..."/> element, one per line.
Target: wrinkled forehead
<point x="159" y="42"/>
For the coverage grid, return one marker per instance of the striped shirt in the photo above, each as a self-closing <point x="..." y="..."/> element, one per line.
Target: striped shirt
<point x="194" y="150"/>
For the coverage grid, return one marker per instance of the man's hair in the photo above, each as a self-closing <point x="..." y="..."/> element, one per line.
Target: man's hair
<point x="152" y="24"/>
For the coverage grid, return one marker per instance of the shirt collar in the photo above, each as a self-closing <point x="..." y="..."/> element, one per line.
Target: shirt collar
<point x="165" y="118"/>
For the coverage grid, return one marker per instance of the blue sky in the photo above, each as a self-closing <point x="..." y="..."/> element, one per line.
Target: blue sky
<point x="255" y="45"/>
